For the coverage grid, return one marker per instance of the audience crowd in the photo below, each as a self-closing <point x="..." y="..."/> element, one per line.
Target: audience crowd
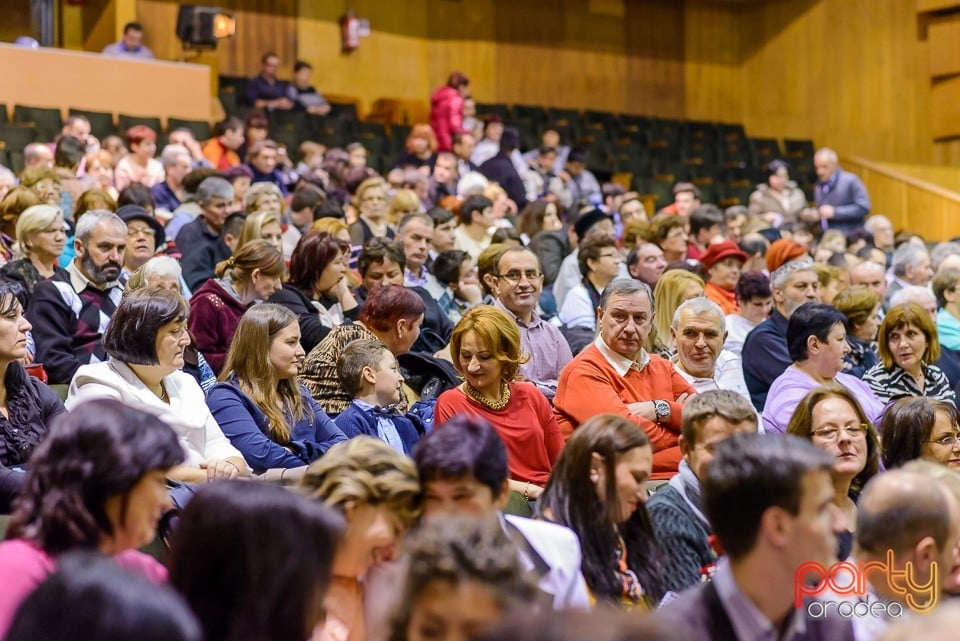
<point x="442" y="402"/>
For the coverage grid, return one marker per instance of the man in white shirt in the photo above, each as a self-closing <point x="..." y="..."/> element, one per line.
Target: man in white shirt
<point x="699" y="330"/>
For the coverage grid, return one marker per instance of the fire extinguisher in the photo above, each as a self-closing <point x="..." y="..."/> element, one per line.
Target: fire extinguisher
<point x="349" y="32"/>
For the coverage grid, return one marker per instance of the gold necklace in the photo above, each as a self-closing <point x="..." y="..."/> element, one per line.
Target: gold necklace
<point x="496" y="406"/>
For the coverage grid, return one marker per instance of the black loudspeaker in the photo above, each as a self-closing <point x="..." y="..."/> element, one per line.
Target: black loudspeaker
<point x="199" y="26"/>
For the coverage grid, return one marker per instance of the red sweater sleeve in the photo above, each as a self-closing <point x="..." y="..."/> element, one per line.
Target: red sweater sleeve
<point x="553" y="437"/>
<point x="589" y="386"/>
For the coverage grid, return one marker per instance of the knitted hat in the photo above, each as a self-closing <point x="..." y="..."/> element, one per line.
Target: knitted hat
<point x="782" y="252"/>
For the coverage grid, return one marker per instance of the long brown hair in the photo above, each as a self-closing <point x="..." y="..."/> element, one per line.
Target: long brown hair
<point x="249" y="361"/>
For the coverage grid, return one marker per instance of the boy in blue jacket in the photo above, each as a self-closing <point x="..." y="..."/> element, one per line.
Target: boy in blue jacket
<point x="369" y="372"/>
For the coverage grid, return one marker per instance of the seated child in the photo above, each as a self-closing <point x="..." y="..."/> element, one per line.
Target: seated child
<point x="370" y="374"/>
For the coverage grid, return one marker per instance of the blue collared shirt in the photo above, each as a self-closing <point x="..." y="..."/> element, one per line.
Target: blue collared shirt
<point x="386" y="430"/>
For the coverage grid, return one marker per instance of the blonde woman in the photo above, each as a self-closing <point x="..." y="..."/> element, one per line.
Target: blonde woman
<point x="263" y="225"/>
<point x="41" y="238"/>
<point x="674" y="287"/>
<point x="377" y="490"/>
<point x="371" y="200"/>
<point x="404" y="202"/>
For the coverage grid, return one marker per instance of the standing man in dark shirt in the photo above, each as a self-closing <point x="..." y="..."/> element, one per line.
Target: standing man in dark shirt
<point x="266" y="91"/>
<point x="200" y="242"/>
<point x="500" y="168"/>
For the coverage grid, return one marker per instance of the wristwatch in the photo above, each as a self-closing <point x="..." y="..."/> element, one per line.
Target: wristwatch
<point x="663" y="410"/>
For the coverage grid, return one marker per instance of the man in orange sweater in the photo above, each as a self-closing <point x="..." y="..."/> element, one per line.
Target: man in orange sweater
<point x="615" y="375"/>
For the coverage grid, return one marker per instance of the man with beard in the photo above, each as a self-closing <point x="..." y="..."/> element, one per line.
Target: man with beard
<point x="70" y="311"/>
<point x="765" y="354"/>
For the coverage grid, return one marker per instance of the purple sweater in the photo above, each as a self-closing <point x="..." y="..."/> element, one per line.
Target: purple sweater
<point x="790" y="388"/>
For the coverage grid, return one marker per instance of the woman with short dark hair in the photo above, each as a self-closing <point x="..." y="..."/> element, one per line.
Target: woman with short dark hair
<point x="316" y="289"/>
<point x="254" y="561"/>
<point x="97" y="483"/>
<point x="145" y="341"/>
<point x="817" y="342"/>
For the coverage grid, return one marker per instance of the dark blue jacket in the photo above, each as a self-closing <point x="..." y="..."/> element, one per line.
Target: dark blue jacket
<point x="500" y="169"/>
<point x="247" y="427"/>
<point x="354" y="421"/>
<point x="765" y="357"/>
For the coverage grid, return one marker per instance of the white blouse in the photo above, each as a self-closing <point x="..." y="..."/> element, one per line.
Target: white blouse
<point x="200" y="436"/>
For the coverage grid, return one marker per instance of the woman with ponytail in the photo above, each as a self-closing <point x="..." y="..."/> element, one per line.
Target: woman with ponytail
<point x="259" y="405"/>
<point x="250" y="276"/>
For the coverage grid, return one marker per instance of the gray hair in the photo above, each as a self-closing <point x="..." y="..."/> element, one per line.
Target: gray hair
<point x="941" y="251"/>
<point x="829" y="154"/>
<point x="910" y="294"/>
<point x="172" y="153"/>
<point x="625" y="287"/>
<point x="908" y="255"/>
<point x="780" y="276"/>
<point x="870" y="223"/>
<point x="89" y="221"/>
<point x="258" y="189"/>
<point x="8" y="175"/>
<point x="160" y="266"/>
<point x="472" y="184"/>
<point x="700" y="306"/>
<point x="214" y="187"/>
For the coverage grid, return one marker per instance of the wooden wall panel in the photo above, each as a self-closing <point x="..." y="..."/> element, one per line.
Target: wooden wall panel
<point x="942" y="39"/>
<point x="262" y="25"/>
<point x="910" y="203"/>
<point x="712" y="62"/>
<point x="850" y="74"/>
<point x="16" y="20"/>
<point x="945" y="112"/>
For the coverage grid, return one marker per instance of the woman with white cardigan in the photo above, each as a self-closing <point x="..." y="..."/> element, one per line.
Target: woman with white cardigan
<point x="145" y="341"/>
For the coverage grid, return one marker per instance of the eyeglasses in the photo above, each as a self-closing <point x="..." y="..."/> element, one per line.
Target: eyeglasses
<point x="948" y="440"/>
<point x="832" y="433"/>
<point x="515" y="276"/>
<point x="146" y="231"/>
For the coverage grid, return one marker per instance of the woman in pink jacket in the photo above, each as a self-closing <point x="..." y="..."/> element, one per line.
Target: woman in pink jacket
<point x="446" y="110"/>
